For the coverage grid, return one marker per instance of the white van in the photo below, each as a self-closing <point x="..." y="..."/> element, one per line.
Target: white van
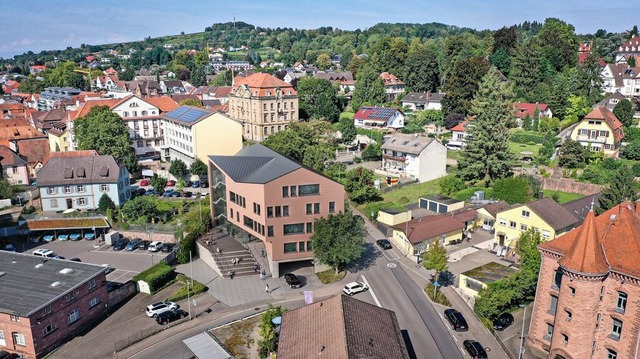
<point x="156" y="246"/>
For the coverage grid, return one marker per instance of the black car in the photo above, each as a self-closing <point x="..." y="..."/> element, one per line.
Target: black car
<point x="292" y="280"/>
<point x="120" y="244"/>
<point x="166" y="248"/>
<point x="187" y="194"/>
<point x="502" y="321"/>
<point x="456" y="319"/>
<point x="75" y="260"/>
<point x="188" y="183"/>
<point x="204" y="184"/>
<point x="383" y="243"/>
<point x="475" y="349"/>
<point x="143" y="244"/>
<point x="5" y="355"/>
<point x="169" y="316"/>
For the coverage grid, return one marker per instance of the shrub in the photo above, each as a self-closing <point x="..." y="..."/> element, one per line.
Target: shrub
<point x="357" y="159"/>
<point x="636" y="169"/>
<point x="187" y="245"/>
<point x="181" y="293"/>
<point x="528" y="138"/>
<point x="156" y="276"/>
<point x="436" y="297"/>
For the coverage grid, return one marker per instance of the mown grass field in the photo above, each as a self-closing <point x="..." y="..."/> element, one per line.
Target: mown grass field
<point x="563" y="196"/>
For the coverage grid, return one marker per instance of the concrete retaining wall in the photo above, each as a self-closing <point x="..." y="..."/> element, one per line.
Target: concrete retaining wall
<point x="125" y="291"/>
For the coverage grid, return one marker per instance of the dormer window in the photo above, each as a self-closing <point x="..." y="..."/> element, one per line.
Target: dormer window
<point x="133" y="104"/>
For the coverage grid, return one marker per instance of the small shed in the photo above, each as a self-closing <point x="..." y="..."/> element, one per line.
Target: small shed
<point x="440" y="204"/>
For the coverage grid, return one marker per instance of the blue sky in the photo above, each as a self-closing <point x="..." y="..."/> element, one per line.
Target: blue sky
<point x="50" y="25"/>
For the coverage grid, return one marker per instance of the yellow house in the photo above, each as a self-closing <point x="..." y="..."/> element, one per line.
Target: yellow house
<point x="415" y="236"/>
<point x="59" y="137"/>
<point x="391" y="217"/>
<point x="600" y="131"/>
<point x="544" y="216"/>
<point x="487" y="214"/>
<point x="474" y="280"/>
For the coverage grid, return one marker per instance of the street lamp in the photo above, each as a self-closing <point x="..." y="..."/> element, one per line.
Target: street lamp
<point x="524" y="317"/>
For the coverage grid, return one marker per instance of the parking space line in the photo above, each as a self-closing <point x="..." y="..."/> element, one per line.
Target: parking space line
<point x="375" y="299"/>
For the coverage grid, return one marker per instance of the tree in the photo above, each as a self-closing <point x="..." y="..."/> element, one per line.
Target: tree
<point x="572" y="155"/>
<point x="347" y="129"/>
<point x="373" y="152"/>
<point x="624" y="112"/>
<point x="198" y="168"/>
<point x="106" y="203"/>
<point x="223" y="78"/>
<point x="359" y="185"/>
<point x="369" y="89"/>
<point x="558" y="43"/>
<point x="421" y="72"/>
<point x="622" y="187"/>
<point x="31" y="85"/>
<point x="355" y="65"/>
<point x="131" y="162"/>
<point x="525" y="72"/>
<point x="178" y="168"/>
<point x="103" y="131"/>
<point x="450" y="185"/>
<point x="190" y="102"/>
<point x="505" y="39"/>
<point x="323" y="62"/>
<point x="199" y="76"/>
<point x="435" y="258"/>
<point x="631" y="151"/>
<point x="158" y="183"/>
<point x="338" y="239"/>
<point x="462" y="85"/>
<point x="318" y="99"/>
<point x="487" y="157"/>
<point x="140" y="208"/>
<point x="512" y="190"/>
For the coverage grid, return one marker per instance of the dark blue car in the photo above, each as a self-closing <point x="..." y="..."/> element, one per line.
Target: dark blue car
<point x="120" y="244"/>
<point x="150" y="192"/>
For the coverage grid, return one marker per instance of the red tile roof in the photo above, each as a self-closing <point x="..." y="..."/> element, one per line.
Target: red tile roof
<point x="86" y="107"/>
<point x="608" y="242"/>
<point x="390" y="79"/>
<point x="603" y="113"/>
<point x="524" y="109"/>
<point x="67" y="154"/>
<point x="33" y="149"/>
<point x="460" y="127"/>
<point x="10" y="158"/>
<point x="263" y="83"/>
<point x="164" y="103"/>
<point x="17" y="130"/>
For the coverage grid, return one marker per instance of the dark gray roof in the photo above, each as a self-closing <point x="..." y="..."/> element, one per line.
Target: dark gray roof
<point x="26" y="281"/>
<point x="423" y="97"/>
<point x="554" y="214"/>
<point x="442" y="199"/>
<point x="581" y="206"/>
<point x="255" y="164"/>
<point x="63" y="170"/>
<point x="407" y="143"/>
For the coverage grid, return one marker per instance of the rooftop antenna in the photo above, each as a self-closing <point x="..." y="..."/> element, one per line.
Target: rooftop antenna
<point x="234" y="21"/>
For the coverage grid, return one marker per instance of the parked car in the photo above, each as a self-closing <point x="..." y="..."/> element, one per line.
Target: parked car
<point x="174" y="194"/>
<point x="120" y="244"/>
<point x="292" y="280"/>
<point x="43" y="252"/>
<point x="75" y="236"/>
<point x="5" y="355"/>
<point x="133" y="245"/>
<point x="48" y="237"/>
<point x="154" y="309"/>
<point x="186" y="194"/>
<point x="143" y="244"/>
<point x="167" y="192"/>
<point x="383" y="243"/>
<point x="188" y="184"/>
<point x="503" y="321"/>
<point x="108" y="267"/>
<point x="9" y="247"/>
<point x="169" y="316"/>
<point x="354" y="288"/>
<point x="150" y="192"/>
<point x="166" y="248"/>
<point x="171" y="183"/>
<point x="76" y="260"/>
<point x="140" y="192"/>
<point x="63" y="236"/>
<point x="155" y="246"/>
<point x="196" y="184"/>
<point x="90" y="236"/>
<point x="474" y="349"/>
<point x="204" y="194"/>
<point x="144" y="182"/>
<point x="456" y="319"/>
<point x="204" y="184"/>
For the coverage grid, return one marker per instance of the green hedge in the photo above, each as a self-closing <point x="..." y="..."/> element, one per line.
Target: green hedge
<point x="156" y="276"/>
<point x="527" y="137"/>
<point x="181" y="293"/>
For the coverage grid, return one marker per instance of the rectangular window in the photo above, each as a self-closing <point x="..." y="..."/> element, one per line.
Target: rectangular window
<point x="82" y="201"/>
<point x="523" y="227"/>
<point x="46" y="310"/>
<point x="557" y="279"/>
<point x="332" y="207"/>
<point x="49" y="328"/>
<point x="231" y="212"/>
<point x="292" y="191"/>
<point x="309" y="246"/>
<point x="554" y="304"/>
<point x="309" y="190"/>
<point x="15" y="318"/>
<point x="565" y="339"/>
<point x="93" y="302"/>
<point x="316" y="208"/>
<point x="502" y="221"/>
<point x="67" y="189"/>
<point x="621" y="303"/>
<point x="54" y="203"/>
<point x="597" y="320"/>
<point x="80" y="188"/>
<point x="51" y="190"/>
<point x="73" y="316"/>
<point x="248" y="222"/>
<point x="278" y="211"/>
<point x="525" y="213"/>
<point x="104" y="187"/>
<point x="269" y="231"/>
<point x="232" y="197"/>
<point x="549" y="332"/>
<point x="295" y="228"/>
<point x="285" y="191"/>
<point x="309" y="227"/>
<point x="512" y="224"/>
<point x="18" y="338"/>
<point x="604" y="133"/>
<point x="285" y="211"/>
<point x="300" y="246"/>
<point x="572" y="291"/>
<point x="92" y="283"/>
<point x="269" y="212"/>
<point x="71" y="295"/>
<point x="611" y="354"/>
<point x="290" y="247"/>
<point x="546" y="234"/>
<point x="309" y="208"/>
<point x="616" y="330"/>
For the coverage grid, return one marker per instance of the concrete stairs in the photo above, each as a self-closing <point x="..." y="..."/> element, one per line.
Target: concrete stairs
<point x="231" y="249"/>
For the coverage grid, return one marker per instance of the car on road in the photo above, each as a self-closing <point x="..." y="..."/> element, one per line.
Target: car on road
<point x="292" y="280"/>
<point x="140" y="192"/>
<point x="384" y="243"/>
<point x="157" y="308"/>
<point x="474" y="349"/>
<point x="156" y="246"/>
<point x="150" y="192"/>
<point x="175" y="194"/>
<point x="170" y="316"/>
<point x="196" y="184"/>
<point x="143" y="244"/>
<point x="43" y="252"/>
<point x="120" y="244"/>
<point x="75" y="236"/>
<point x="49" y="237"/>
<point x="144" y="182"/>
<point x="108" y="267"/>
<point x="503" y="321"/>
<point x="63" y="236"/>
<point x="133" y="245"/>
<point x="171" y="183"/>
<point x="90" y="236"/>
<point x="456" y="319"/>
<point x="354" y="288"/>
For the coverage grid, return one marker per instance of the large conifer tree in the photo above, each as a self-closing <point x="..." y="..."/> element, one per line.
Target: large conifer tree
<point x="622" y="187"/>
<point x="486" y="157"/>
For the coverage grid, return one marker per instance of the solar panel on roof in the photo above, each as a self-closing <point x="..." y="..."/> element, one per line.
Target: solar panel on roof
<point x="192" y="115"/>
<point x="175" y="114"/>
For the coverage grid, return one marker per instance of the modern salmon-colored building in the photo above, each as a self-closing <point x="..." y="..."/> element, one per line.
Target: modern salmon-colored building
<point x="267" y="196"/>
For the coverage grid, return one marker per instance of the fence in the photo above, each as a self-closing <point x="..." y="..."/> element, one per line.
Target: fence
<point x="399" y="185"/>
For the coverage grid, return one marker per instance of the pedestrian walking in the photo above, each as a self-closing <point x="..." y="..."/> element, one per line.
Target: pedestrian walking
<point x="230" y="274"/>
<point x="262" y="252"/>
<point x="237" y="260"/>
<point x="218" y="249"/>
<point x="267" y="289"/>
<point x="233" y="261"/>
<point x="255" y="268"/>
<point x="263" y="275"/>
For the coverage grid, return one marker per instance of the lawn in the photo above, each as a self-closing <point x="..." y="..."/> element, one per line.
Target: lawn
<point x="347" y="114"/>
<point x="412" y="192"/>
<point x="564" y="196"/>
<point x="454" y="154"/>
<point x="517" y="148"/>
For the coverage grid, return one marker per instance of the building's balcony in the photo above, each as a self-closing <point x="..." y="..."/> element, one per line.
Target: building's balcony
<point x="394" y="158"/>
<point x="596" y="139"/>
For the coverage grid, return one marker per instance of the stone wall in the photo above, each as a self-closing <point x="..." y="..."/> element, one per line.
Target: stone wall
<point x="569" y="185"/>
<point x="152" y="236"/>
<point x="121" y="293"/>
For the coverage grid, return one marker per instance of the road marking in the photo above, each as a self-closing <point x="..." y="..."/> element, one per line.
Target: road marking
<point x="454" y="338"/>
<point x="375" y="299"/>
<point x="391" y="265"/>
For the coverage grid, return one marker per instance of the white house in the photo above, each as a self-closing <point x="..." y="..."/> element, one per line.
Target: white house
<point x="459" y="134"/>
<point x="393" y="86"/>
<point x="423" y="101"/>
<point x="620" y="77"/>
<point x="379" y="117"/>
<point x="414" y="156"/>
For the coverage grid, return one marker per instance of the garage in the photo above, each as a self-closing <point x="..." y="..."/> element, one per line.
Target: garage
<point x="440" y="204"/>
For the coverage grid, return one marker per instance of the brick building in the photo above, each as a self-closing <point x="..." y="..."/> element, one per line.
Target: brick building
<point x="45" y="301"/>
<point x="586" y="302"/>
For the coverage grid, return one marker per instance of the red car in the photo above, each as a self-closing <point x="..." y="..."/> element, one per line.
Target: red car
<point x="144" y="182"/>
<point x="171" y="183"/>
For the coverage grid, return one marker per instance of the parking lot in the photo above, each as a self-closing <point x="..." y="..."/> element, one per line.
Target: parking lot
<point x="196" y="192"/>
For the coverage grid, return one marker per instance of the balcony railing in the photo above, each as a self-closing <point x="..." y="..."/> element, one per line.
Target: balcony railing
<point x="394" y="158"/>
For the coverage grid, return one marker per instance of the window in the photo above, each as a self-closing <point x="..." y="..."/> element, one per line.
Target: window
<point x="604" y="133"/>
<point x="546" y="234"/>
<point x="512" y="224"/>
<point x="621" y="304"/>
<point x="332" y="207"/>
<point x="309" y="227"/>
<point x="557" y="279"/>
<point x="51" y="190"/>
<point x="554" y="304"/>
<point x="104" y="187"/>
<point x="93" y="302"/>
<point x="597" y="320"/>
<point x="278" y="211"/>
<point x="565" y="339"/>
<point x="269" y="231"/>
<point x="309" y="190"/>
<point x="616" y="329"/>
<point x="248" y="222"/>
<point x="502" y="221"/>
<point x="70" y="296"/>
<point x="572" y="291"/>
<point x="80" y="188"/>
<point x="18" y="338"/>
<point x="15" y="318"/>
<point x="285" y="191"/>
<point x="292" y="191"/>
<point x="601" y="293"/>
<point x="300" y="246"/>
<point x="295" y="228"/>
<point x="525" y="213"/>
<point x="256" y="208"/>
<point x="611" y="354"/>
<point x="290" y="247"/>
<point x="92" y="283"/>
<point x="54" y="203"/>
<point x="82" y="201"/>
<point x="49" y="328"/>
<point x="569" y="315"/>
<point x="309" y="208"/>
<point x="269" y="212"/>
<point x="46" y="310"/>
<point x="549" y="332"/>
<point x="74" y="316"/>
<point x="316" y="208"/>
<point x="523" y="227"/>
<point x="67" y="189"/>
<point x="285" y="211"/>
<point x="231" y="212"/>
